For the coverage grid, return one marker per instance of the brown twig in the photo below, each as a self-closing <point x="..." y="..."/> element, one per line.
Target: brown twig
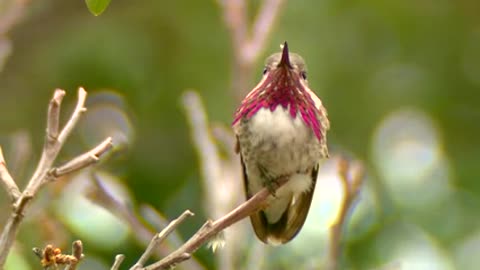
<point x="53" y="143"/>
<point x="7" y="180"/>
<point x="100" y="196"/>
<point x="118" y="261"/>
<point x="248" y="44"/>
<point x="84" y="160"/>
<point x="352" y="179"/>
<point x="212" y="228"/>
<point x="208" y="155"/>
<point x="158" y="238"/>
<point x="220" y="174"/>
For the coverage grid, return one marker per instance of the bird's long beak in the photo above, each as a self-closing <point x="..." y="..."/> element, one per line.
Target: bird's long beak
<point x="285" y="60"/>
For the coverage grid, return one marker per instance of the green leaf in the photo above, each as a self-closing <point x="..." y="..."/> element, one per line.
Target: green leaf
<point x="96" y="7"/>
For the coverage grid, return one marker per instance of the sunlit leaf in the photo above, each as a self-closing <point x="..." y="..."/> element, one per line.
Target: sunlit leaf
<point x="97" y="7"/>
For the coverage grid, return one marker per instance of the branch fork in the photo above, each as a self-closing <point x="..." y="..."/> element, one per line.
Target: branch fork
<point x="45" y="172"/>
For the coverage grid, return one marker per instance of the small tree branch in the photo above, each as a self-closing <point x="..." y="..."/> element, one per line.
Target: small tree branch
<point x="262" y="27"/>
<point x="7" y="181"/>
<point x="84" y="160"/>
<point x="158" y="238"/>
<point x="100" y="196"/>
<point x="143" y="234"/>
<point x="212" y="228"/>
<point x="53" y="143"/>
<point x="248" y="44"/>
<point x="352" y="179"/>
<point x="208" y="155"/>
<point x="220" y="173"/>
<point x="118" y="261"/>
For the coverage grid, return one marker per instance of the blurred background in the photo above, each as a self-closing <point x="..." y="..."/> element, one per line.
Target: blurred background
<point x="400" y="80"/>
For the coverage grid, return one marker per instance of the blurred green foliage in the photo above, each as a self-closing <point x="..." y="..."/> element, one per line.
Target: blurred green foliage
<point x="366" y="59"/>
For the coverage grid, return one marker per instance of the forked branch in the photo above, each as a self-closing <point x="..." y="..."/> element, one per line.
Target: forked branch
<point x="54" y="141"/>
<point x="212" y="228"/>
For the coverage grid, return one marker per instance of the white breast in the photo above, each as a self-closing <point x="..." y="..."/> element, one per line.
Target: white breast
<point x="282" y="145"/>
<point x="278" y="125"/>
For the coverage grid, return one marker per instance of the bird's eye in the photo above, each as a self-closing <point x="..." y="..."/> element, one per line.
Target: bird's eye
<point x="304" y="75"/>
<point x="265" y="71"/>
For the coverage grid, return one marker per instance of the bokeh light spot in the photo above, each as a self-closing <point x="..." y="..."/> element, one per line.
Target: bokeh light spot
<point x="408" y="153"/>
<point x="89" y="221"/>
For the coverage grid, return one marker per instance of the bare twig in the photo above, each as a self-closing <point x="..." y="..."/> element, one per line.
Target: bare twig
<point x="79" y="109"/>
<point x="352" y="178"/>
<point x="158" y="221"/>
<point x="158" y="238"/>
<point x="118" y="261"/>
<point x="212" y="228"/>
<point x="7" y="180"/>
<point x="206" y="149"/>
<point x="248" y="45"/>
<point x="84" y="160"/>
<point x="100" y="196"/>
<point x="262" y="28"/>
<point x="220" y="174"/>
<point x="53" y="143"/>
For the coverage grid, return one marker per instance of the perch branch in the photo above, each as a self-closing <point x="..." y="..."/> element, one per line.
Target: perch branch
<point x="352" y="179"/>
<point x="212" y="228"/>
<point x="53" y="143"/>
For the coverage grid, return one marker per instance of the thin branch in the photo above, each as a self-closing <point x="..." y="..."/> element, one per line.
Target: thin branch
<point x="262" y="27"/>
<point x="352" y="179"/>
<point x="79" y="109"/>
<point x="235" y="17"/>
<point x="158" y="238"/>
<point x="100" y="196"/>
<point x="52" y="146"/>
<point x="206" y="149"/>
<point x="212" y="228"/>
<point x="158" y="221"/>
<point x="7" y="180"/>
<point x="248" y="44"/>
<point x="84" y="160"/>
<point x="118" y="261"/>
<point x="220" y="174"/>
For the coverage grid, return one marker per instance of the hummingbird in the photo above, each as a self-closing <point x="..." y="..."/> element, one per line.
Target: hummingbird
<point x="280" y="130"/>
